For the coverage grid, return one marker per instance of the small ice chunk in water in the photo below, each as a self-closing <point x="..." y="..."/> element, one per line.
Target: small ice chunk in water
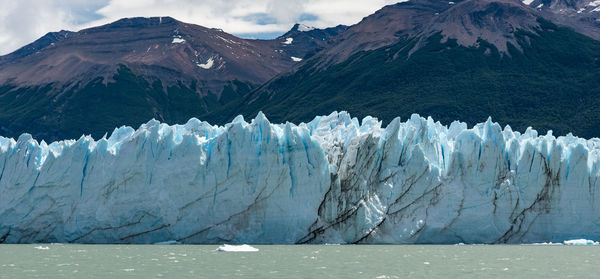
<point x="169" y="242"/>
<point x="42" y="247"/>
<point x="237" y="248"/>
<point x="545" y="243"/>
<point x="581" y="242"/>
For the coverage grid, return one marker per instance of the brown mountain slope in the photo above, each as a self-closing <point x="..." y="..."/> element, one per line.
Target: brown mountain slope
<point x="127" y="72"/>
<point x="161" y="48"/>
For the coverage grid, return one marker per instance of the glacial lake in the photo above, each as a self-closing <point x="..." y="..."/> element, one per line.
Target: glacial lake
<point x="302" y="261"/>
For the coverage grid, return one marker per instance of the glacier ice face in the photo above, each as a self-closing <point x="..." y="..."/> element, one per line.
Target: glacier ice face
<point x="332" y="180"/>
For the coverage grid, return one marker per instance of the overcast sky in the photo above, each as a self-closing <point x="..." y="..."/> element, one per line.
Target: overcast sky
<point x="23" y="21"/>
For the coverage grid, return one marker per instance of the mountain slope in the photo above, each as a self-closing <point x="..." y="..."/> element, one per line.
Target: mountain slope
<point x="301" y="38"/>
<point x="544" y="76"/>
<point x="45" y="41"/>
<point x="133" y="70"/>
<point x="581" y="15"/>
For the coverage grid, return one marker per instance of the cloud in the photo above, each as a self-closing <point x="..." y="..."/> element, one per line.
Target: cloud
<point x="286" y="11"/>
<point x="21" y="24"/>
<point x="23" y="21"/>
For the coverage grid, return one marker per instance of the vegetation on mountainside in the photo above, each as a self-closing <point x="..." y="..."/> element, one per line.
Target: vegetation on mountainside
<point x="551" y="82"/>
<point x="99" y="107"/>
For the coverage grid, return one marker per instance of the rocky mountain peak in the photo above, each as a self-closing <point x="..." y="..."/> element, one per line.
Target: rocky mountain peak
<point x="494" y="21"/>
<point x="467" y="21"/>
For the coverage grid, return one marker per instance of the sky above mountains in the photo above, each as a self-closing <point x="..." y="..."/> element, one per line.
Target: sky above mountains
<point x="23" y="21"/>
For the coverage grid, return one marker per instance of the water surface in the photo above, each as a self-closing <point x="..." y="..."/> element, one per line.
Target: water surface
<point x="306" y="261"/>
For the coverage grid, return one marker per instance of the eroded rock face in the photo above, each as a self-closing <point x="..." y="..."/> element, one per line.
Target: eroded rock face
<point x="333" y="180"/>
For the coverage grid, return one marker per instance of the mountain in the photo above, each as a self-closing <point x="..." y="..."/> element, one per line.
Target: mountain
<point x="304" y="37"/>
<point x="332" y="180"/>
<point x="581" y="15"/>
<point x="47" y="40"/>
<point x="124" y="73"/>
<point x="525" y="63"/>
<point x="452" y="60"/>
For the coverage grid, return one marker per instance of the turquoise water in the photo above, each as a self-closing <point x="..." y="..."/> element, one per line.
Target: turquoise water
<point x="306" y="261"/>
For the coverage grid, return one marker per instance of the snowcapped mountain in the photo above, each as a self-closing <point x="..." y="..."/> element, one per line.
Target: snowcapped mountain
<point x="164" y="68"/>
<point x="581" y="15"/>
<point x="153" y="46"/>
<point x="308" y="38"/>
<point x="466" y="21"/>
<point x="333" y="180"/>
<point x="427" y="56"/>
<point x="565" y="6"/>
<point x="452" y="60"/>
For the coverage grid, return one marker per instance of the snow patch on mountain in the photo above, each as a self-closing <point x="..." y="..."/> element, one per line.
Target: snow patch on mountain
<point x="305" y="28"/>
<point x="178" y="40"/>
<point x="594" y="3"/>
<point x="209" y="63"/>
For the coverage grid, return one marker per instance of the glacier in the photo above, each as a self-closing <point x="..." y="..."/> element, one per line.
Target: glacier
<point x="333" y="180"/>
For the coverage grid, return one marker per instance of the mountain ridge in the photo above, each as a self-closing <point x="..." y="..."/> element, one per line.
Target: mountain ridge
<point x="548" y="68"/>
<point x="457" y="53"/>
<point x="161" y="65"/>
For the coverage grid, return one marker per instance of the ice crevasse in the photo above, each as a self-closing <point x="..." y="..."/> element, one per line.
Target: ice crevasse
<point x="333" y="180"/>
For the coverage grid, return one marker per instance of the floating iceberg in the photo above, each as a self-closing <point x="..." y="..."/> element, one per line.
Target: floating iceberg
<point x="333" y="180"/>
<point x="581" y="242"/>
<point x="168" y="242"/>
<point x="237" y="248"/>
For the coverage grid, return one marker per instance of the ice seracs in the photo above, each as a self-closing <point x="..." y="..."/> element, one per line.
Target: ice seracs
<point x="332" y="180"/>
